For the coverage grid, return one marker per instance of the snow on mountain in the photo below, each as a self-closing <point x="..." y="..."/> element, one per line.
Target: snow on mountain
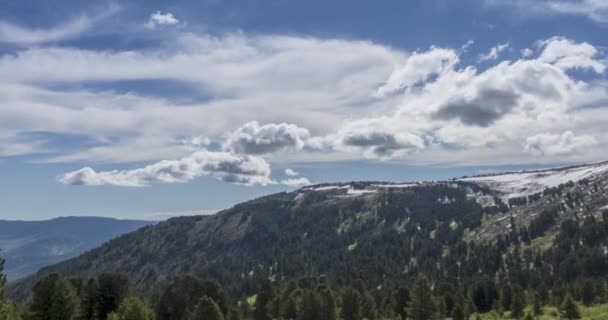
<point x="524" y="183"/>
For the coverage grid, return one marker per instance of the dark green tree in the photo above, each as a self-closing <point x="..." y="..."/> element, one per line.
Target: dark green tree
<point x="112" y="289"/>
<point x="569" y="309"/>
<point x="88" y="307"/>
<point x="133" y="308"/>
<point x="351" y="305"/>
<point x="328" y="302"/>
<point x="368" y="307"/>
<point x="458" y="312"/>
<point x="263" y="298"/>
<point x="518" y="304"/>
<point x="206" y="309"/>
<point x="54" y="298"/>
<point x="8" y="311"/>
<point x="422" y="305"/>
<point x="402" y="299"/>
<point x="588" y="293"/>
<point x="179" y="298"/>
<point x="537" y="307"/>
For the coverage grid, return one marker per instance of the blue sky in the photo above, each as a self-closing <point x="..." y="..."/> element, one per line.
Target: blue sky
<point x="149" y="109"/>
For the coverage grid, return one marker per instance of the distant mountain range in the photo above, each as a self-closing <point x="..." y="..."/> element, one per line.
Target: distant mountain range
<point x="29" y="245"/>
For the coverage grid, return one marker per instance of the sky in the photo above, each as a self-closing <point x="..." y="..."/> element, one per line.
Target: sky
<point x="151" y="109"/>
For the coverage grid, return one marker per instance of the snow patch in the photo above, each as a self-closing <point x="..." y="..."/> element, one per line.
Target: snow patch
<point x="519" y="184"/>
<point x="358" y="192"/>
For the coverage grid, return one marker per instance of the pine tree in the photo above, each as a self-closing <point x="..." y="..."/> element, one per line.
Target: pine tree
<point x="132" y="308"/>
<point x="111" y="291"/>
<point x="206" y="309"/>
<point x="2" y="278"/>
<point x="179" y="298"/>
<point x="54" y="298"/>
<point x="368" y="307"/>
<point x="330" y="310"/>
<point x="458" y="313"/>
<point x="422" y="305"/>
<point x="263" y="298"/>
<point x="568" y="309"/>
<point x="311" y="306"/>
<point x="351" y="305"/>
<point x="537" y="307"/>
<point x="7" y="311"/>
<point x="402" y="298"/>
<point x="65" y="303"/>
<point x="588" y="294"/>
<point x="87" y="305"/>
<point x="518" y="303"/>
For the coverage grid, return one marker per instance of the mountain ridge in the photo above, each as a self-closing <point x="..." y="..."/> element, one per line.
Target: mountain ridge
<point x="340" y="229"/>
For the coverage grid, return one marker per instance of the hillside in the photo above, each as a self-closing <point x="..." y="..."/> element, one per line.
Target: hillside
<point x="383" y="233"/>
<point x="30" y="245"/>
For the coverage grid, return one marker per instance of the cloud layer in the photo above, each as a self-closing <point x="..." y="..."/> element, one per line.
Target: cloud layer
<point x="268" y="99"/>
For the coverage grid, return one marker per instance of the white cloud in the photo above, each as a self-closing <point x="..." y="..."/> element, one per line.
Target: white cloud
<point x="567" y="54"/>
<point x="494" y="53"/>
<point x="161" y="19"/>
<point x="596" y="10"/>
<point x="291" y="173"/>
<point x="296" y="182"/>
<point x="418" y="68"/>
<point x="526" y="52"/>
<point x="72" y="28"/>
<point x="313" y="99"/>
<point x="252" y="138"/>
<point x="247" y="170"/>
<point x="558" y="144"/>
<point x="377" y="138"/>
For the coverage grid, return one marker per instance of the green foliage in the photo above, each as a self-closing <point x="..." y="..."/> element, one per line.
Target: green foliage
<point x="518" y="303"/>
<point x="402" y="299"/>
<point x="422" y="305"/>
<point x="262" y="301"/>
<point x="112" y="289"/>
<point x="569" y="309"/>
<point x="54" y="298"/>
<point x="458" y="313"/>
<point x="206" y="309"/>
<point x="132" y="308"/>
<point x="351" y="305"/>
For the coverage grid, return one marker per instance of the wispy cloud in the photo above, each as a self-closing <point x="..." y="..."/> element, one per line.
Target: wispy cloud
<point x="68" y="29"/>
<point x="596" y="10"/>
<point x="494" y="53"/>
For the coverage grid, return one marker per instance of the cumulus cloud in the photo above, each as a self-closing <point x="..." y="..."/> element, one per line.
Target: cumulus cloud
<point x="494" y="53"/>
<point x="377" y="138"/>
<point x="350" y="100"/>
<point x="247" y="170"/>
<point x="566" y="54"/>
<point x="253" y="138"/>
<point x="161" y="19"/>
<point x="485" y="107"/>
<point x="291" y="173"/>
<point x="552" y="144"/>
<point x="418" y="68"/>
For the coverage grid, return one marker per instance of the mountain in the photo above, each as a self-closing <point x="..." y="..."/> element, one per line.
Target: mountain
<point x="27" y="246"/>
<point x="379" y="232"/>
